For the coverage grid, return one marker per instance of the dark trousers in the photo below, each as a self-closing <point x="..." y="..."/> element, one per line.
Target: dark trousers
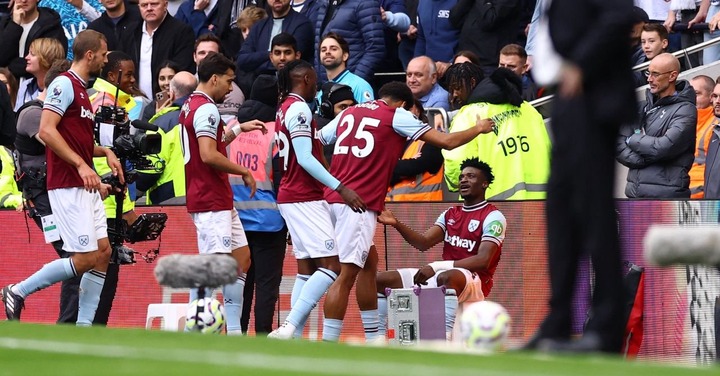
<point x="69" y="290"/>
<point x="267" y="252"/>
<point x="581" y="219"/>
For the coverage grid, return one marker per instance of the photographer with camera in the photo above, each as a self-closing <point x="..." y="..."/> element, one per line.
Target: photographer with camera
<point x="110" y="90"/>
<point x="74" y="188"/>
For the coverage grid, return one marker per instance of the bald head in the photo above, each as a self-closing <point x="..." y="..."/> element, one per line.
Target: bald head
<point x="421" y="76"/>
<point x="183" y="84"/>
<point x="662" y="75"/>
<point x="666" y="62"/>
<point x="703" y="86"/>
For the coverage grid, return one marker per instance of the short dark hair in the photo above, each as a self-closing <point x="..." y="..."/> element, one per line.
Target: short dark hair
<point x="480" y="165"/>
<point x="658" y="28"/>
<point x="285" y="76"/>
<point x="398" y="91"/>
<point x="86" y="40"/>
<point x="473" y="57"/>
<point x="344" y="46"/>
<point x="209" y="37"/>
<point x="114" y="60"/>
<point x="57" y="67"/>
<point x="284" y="39"/>
<point x="213" y="63"/>
<point x="514" y="49"/>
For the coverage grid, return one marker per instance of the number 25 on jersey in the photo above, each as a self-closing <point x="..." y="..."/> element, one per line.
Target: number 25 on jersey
<point x="349" y="138"/>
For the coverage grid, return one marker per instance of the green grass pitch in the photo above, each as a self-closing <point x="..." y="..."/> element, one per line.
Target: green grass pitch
<point x="31" y="349"/>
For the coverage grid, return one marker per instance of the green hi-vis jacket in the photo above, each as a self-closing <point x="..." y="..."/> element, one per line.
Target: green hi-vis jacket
<point x="519" y="154"/>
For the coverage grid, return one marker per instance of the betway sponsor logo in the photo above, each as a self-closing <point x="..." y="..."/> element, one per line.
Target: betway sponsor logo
<point x="457" y="241"/>
<point x="85" y="113"/>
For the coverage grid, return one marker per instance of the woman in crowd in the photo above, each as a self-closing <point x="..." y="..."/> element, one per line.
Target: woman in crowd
<point x="161" y="99"/>
<point x="11" y="83"/>
<point x="41" y="55"/>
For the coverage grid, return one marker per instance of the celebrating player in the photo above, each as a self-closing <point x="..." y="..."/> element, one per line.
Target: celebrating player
<point x="300" y="198"/>
<point x="472" y="236"/>
<point x="209" y="197"/>
<point x="369" y="139"/>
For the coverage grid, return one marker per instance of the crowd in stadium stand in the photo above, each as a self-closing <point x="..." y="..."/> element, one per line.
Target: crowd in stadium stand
<point x="463" y="60"/>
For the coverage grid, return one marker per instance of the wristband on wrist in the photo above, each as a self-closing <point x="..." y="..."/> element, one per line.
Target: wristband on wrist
<point x="236" y="129"/>
<point x="439" y="266"/>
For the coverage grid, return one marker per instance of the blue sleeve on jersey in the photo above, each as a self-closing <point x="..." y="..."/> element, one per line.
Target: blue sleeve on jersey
<point x="328" y="134"/>
<point x="206" y="121"/>
<point x="298" y="120"/>
<point x="440" y="221"/>
<point x="60" y="95"/>
<point x="406" y="124"/>
<point x="364" y="92"/>
<point x="494" y="227"/>
<point x="303" y="153"/>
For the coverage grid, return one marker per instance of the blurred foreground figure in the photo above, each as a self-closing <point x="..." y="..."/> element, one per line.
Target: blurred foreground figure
<point x="595" y="95"/>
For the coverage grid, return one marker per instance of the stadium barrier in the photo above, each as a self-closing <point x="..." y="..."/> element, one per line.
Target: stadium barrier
<point x="678" y="317"/>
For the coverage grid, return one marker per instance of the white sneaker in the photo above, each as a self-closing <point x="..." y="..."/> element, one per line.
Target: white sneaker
<point x="234" y="332"/>
<point x="285" y="331"/>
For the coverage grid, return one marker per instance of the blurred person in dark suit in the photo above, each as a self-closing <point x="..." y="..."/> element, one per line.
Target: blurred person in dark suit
<point x="595" y="95"/>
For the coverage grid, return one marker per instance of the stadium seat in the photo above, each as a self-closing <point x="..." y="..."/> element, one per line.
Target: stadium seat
<point x="171" y="315"/>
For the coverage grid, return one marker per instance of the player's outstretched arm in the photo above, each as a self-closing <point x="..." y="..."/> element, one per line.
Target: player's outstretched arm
<point x="234" y="128"/>
<point x="450" y="141"/>
<point x="422" y="242"/>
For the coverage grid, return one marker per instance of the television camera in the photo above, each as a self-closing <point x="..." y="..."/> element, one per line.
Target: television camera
<point x="132" y="145"/>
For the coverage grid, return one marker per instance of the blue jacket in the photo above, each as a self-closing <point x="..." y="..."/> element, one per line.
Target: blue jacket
<point x="436" y="36"/>
<point x="310" y="10"/>
<point x="359" y="22"/>
<point x="197" y="18"/>
<point x="254" y="57"/>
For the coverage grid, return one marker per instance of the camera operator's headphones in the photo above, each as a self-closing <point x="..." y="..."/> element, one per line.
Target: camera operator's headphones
<point x="326" y="106"/>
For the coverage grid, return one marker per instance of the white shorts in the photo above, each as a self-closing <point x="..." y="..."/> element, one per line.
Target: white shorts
<point x="354" y="233"/>
<point x="219" y="231"/>
<point x="311" y="229"/>
<point x="471" y="293"/>
<point x="80" y="218"/>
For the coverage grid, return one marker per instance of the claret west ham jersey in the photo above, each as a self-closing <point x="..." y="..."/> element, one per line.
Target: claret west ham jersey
<point x="208" y="189"/>
<point x="294" y="119"/>
<point x="67" y="97"/>
<point x="465" y="228"/>
<point x="369" y="140"/>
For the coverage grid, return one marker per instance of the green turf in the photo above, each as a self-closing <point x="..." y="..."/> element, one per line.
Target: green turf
<point x="29" y="349"/>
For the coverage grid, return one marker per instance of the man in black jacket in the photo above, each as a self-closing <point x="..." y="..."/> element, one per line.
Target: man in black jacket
<point x="595" y="95"/>
<point x="160" y="37"/>
<point x="31" y="22"/>
<point x="118" y="23"/>
<point x="486" y="26"/>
